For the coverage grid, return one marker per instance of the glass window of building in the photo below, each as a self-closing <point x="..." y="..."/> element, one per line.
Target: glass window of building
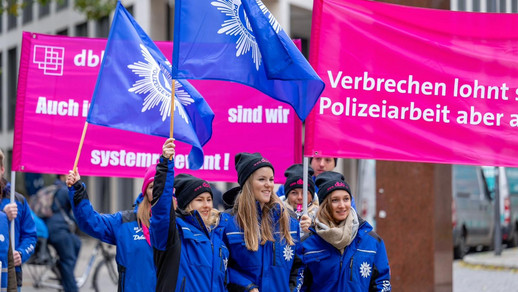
<point x="27" y="11"/>
<point x="62" y="4"/>
<point x="514" y="6"/>
<point x="62" y="32"/>
<point x="476" y="5"/>
<point x="11" y="18"/>
<point x="2" y="115"/>
<point x="102" y="27"/>
<point x="44" y="10"/>
<point x="12" y="74"/>
<point x="127" y="195"/>
<point x="82" y="29"/>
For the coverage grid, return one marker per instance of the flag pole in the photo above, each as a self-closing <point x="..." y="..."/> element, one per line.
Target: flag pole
<point x="80" y="146"/>
<point x="173" y="106"/>
<point x="13" y="191"/>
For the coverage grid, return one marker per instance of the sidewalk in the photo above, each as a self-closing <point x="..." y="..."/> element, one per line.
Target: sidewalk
<point x="508" y="260"/>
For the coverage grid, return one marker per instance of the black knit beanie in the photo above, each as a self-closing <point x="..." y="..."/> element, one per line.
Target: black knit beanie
<point x="329" y="181"/>
<point x="247" y="163"/>
<point x="229" y="197"/>
<point x="188" y="187"/>
<point x="294" y="179"/>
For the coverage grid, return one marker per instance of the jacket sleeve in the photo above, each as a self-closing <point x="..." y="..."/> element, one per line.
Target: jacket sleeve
<point x="100" y="226"/>
<point x="238" y="282"/>
<point x="27" y="231"/>
<point x="297" y="268"/>
<point x="163" y="219"/>
<point x="380" y="280"/>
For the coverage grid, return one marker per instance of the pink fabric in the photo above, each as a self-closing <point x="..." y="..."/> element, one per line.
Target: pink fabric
<point x="145" y="230"/>
<point x="443" y="54"/>
<point x="62" y="71"/>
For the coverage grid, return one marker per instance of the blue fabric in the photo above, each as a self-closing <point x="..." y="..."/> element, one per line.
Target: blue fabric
<point x="269" y="267"/>
<point x="24" y="228"/>
<point x="241" y="41"/>
<point x="362" y="267"/>
<point x="67" y="246"/>
<point x="204" y="256"/>
<point x="4" y="248"/>
<point x="133" y="251"/>
<point x="41" y="228"/>
<point x="133" y="91"/>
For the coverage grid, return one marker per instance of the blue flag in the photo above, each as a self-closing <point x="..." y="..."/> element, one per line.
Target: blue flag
<point x="241" y="41"/>
<point x="133" y="91"/>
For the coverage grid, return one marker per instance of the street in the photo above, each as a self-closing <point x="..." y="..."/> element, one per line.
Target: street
<point x="473" y="279"/>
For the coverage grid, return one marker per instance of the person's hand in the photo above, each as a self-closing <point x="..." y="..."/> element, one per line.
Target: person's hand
<point x="254" y="290"/>
<point x="168" y="148"/>
<point x="305" y="222"/>
<point x="11" y="210"/>
<point x="17" y="258"/>
<point x="72" y="177"/>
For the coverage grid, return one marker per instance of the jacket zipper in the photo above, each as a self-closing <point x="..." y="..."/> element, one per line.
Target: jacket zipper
<point x="351" y="269"/>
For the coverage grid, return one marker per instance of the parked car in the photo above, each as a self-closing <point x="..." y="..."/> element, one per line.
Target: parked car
<point x="512" y="180"/>
<point x="508" y="229"/>
<point x="472" y="210"/>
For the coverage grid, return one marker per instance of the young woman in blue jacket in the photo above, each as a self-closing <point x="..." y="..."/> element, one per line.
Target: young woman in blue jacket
<point x="199" y="262"/>
<point x="128" y="230"/>
<point x="261" y="236"/>
<point x="342" y="252"/>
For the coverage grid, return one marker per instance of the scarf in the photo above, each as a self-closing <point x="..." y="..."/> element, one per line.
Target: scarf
<point x="341" y="235"/>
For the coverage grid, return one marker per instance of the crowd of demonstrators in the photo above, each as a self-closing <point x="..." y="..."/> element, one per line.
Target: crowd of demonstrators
<point x="261" y="236"/>
<point x="128" y="230"/>
<point x="189" y="251"/>
<point x="25" y="229"/>
<point x="342" y="252"/>
<point x="61" y="227"/>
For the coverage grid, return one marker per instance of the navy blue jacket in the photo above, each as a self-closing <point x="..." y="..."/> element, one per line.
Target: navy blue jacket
<point x="273" y="267"/>
<point x="24" y="227"/>
<point x="203" y="257"/>
<point x="134" y="255"/>
<point x="362" y="267"/>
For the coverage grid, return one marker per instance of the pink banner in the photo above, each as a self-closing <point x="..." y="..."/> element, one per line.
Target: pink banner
<point x="413" y="84"/>
<point x="56" y="81"/>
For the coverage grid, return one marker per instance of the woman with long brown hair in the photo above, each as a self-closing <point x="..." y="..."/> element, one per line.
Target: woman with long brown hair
<point x="262" y="236"/>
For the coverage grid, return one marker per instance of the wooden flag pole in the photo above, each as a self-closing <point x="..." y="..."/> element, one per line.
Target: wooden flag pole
<point x="80" y="147"/>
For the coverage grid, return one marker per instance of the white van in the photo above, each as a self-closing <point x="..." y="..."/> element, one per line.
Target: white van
<point x="472" y="210"/>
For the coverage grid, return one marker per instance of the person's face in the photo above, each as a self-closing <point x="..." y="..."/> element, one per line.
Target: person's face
<point x="203" y="204"/>
<point x="321" y="164"/>
<point x="262" y="185"/>
<point x="295" y="197"/>
<point x="149" y="191"/>
<point x="340" y="205"/>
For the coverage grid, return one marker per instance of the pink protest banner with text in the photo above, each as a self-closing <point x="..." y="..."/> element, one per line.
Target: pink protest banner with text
<point x="414" y="84"/>
<point x="56" y="81"/>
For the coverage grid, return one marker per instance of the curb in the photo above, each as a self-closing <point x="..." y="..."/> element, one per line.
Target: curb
<point x="475" y="266"/>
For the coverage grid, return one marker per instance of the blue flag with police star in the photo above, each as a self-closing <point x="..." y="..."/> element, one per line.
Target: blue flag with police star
<point x="133" y="91"/>
<point x="241" y="41"/>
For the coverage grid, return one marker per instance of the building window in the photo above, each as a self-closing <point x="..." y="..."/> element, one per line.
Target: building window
<point x="125" y="199"/>
<point x="27" y="11"/>
<point x="169" y="21"/>
<point x="62" y="4"/>
<point x="44" y="10"/>
<point x="82" y="29"/>
<point x="11" y="86"/>
<point x="1" y="22"/>
<point x="62" y="32"/>
<point x="476" y="5"/>
<point x="11" y="18"/>
<point x="514" y="6"/>
<point x="103" y="27"/>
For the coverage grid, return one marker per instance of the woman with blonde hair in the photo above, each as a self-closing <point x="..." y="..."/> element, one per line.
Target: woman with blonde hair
<point x="261" y="236"/>
<point x="342" y="252"/>
<point x="128" y="230"/>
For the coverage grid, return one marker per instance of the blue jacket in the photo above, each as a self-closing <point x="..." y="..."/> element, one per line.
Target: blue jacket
<point x="4" y="248"/>
<point x="24" y="228"/>
<point x="134" y="255"/>
<point x="203" y="256"/>
<point x="273" y="267"/>
<point x="362" y="267"/>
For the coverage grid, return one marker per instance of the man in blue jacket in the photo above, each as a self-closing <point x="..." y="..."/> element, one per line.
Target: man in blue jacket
<point x="24" y="227"/>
